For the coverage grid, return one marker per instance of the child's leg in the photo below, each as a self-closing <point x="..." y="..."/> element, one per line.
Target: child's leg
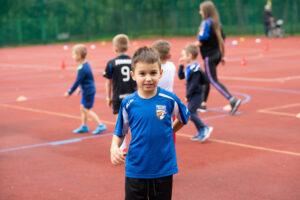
<point x="161" y="188"/>
<point x="193" y="105"/>
<point x="83" y="128"/>
<point x="211" y="63"/>
<point x="136" y="188"/>
<point x="83" y="115"/>
<point x="88" y="105"/>
<point x="206" y="90"/>
<point x="88" y="102"/>
<point x="94" y="116"/>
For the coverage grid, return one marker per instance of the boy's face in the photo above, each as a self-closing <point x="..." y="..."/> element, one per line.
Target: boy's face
<point x="186" y="57"/>
<point x="76" y="56"/>
<point x="146" y="76"/>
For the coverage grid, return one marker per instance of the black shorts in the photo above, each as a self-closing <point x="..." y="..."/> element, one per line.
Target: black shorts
<point x="152" y="189"/>
<point x="116" y="106"/>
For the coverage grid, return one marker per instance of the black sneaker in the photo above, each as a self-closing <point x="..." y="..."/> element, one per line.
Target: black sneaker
<point x="202" y="109"/>
<point x="235" y="103"/>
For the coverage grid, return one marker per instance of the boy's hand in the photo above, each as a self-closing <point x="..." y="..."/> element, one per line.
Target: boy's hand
<point x="181" y="61"/>
<point x="117" y="156"/>
<point x="66" y="95"/>
<point x="198" y="44"/>
<point x="78" y="91"/>
<point x="223" y="60"/>
<point x="109" y="103"/>
<point x="186" y="99"/>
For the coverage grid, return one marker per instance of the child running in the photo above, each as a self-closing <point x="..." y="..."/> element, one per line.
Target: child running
<point x="151" y="159"/>
<point x="117" y="74"/>
<point x="211" y="43"/>
<point x="85" y="80"/>
<point x="163" y="48"/>
<point x="195" y="78"/>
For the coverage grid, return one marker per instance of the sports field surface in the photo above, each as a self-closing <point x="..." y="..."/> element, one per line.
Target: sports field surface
<point x="254" y="154"/>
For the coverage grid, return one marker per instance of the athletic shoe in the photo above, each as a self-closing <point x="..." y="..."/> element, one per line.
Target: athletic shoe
<point x="99" y="129"/>
<point x="206" y="133"/>
<point x="198" y="135"/>
<point x="235" y="103"/>
<point x="81" y="129"/>
<point x="202" y="109"/>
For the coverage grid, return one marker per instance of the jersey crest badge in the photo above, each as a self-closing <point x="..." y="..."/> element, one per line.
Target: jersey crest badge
<point x="161" y="111"/>
<point x="201" y="31"/>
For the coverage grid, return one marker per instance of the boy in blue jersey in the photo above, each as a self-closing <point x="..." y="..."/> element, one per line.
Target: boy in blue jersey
<point x="151" y="159"/>
<point x="85" y="80"/>
<point x="195" y="79"/>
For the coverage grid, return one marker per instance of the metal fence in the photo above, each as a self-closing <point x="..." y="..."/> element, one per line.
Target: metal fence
<point x="47" y="21"/>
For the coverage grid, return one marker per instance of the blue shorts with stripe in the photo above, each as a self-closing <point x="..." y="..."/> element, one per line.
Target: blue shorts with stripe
<point x="88" y="101"/>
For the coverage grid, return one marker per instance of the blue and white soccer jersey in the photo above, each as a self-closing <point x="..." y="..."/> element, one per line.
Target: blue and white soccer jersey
<point x="151" y="152"/>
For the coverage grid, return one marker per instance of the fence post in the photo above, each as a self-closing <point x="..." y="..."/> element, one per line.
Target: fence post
<point x="291" y="17"/>
<point x="253" y="18"/>
<point x="86" y="32"/>
<point x="19" y="31"/>
<point x="43" y="22"/>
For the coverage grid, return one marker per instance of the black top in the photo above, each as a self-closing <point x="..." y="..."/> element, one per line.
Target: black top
<point x="118" y="69"/>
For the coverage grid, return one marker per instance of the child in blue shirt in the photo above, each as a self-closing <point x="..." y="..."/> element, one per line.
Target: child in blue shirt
<point x="195" y="79"/>
<point x="151" y="159"/>
<point x="85" y="80"/>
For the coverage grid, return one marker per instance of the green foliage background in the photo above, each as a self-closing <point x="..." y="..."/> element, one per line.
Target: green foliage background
<point x="47" y="21"/>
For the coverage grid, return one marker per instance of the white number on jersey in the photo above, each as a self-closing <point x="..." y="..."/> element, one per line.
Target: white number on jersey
<point x="125" y="70"/>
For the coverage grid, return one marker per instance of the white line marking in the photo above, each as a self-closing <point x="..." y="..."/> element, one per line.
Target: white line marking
<point x="282" y="79"/>
<point x="246" y="145"/>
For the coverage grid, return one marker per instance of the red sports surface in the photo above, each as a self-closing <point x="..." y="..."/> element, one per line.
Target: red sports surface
<point x="254" y="154"/>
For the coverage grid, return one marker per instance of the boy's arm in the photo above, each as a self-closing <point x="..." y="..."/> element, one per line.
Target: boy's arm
<point x="108" y="89"/>
<point x="181" y="74"/>
<point x="116" y="155"/>
<point x="80" y="76"/>
<point x="177" y="125"/>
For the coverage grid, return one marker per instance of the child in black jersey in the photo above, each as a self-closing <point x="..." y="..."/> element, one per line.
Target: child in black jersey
<point x="119" y="83"/>
<point x="211" y="43"/>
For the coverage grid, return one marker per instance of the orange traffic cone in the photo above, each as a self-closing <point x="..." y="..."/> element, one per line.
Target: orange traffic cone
<point x="243" y="62"/>
<point x="266" y="47"/>
<point x="63" y="65"/>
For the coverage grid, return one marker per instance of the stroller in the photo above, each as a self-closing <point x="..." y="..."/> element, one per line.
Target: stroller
<point x="276" y="29"/>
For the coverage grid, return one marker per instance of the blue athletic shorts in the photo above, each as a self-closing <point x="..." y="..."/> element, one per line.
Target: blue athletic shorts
<point x="88" y="101"/>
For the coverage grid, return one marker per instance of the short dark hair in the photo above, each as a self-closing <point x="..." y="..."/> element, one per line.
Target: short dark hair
<point x="145" y="55"/>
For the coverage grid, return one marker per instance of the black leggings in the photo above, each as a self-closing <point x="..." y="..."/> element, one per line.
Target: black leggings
<point x="211" y="63"/>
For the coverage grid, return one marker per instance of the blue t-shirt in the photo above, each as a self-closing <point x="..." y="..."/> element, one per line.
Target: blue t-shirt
<point x="151" y="152"/>
<point x="85" y="80"/>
